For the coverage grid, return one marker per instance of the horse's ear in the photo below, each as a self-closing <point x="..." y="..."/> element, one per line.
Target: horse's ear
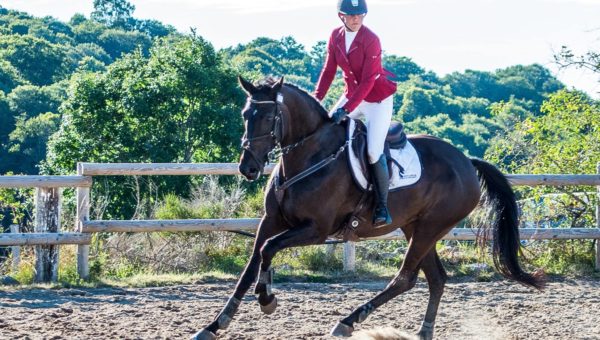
<point x="246" y="85"/>
<point x="277" y="87"/>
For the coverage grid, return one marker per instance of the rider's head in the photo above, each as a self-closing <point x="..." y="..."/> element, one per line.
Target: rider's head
<point x="352" y="12"/>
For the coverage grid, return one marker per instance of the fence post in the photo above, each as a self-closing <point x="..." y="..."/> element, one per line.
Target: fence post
<point x="349" y="256"/>
<point x="47" y="219"/>
<point x="15" y="250"/>
<point x="83" y="214"/>
<point x="598" y="220"/>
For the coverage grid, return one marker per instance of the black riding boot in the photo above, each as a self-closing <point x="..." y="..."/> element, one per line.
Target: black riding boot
<point x="380" y="174"/>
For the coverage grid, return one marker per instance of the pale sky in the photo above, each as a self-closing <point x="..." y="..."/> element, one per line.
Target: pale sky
<point x="439" y="35"/>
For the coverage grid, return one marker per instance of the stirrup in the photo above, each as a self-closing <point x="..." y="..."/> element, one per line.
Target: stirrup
<point x="381" y="217"/>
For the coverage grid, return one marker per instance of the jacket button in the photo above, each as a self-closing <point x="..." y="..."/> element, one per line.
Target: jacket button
<point x="351" y="72"/>
<point x="355" y="82"/>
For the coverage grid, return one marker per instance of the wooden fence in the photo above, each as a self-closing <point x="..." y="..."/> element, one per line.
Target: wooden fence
<point x="47" y="234"/>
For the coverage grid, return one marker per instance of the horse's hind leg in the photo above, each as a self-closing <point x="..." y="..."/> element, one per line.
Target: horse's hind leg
<point x="306" y="234"/>
<point x="406" y="278"/>
<point x="436" y="279"/>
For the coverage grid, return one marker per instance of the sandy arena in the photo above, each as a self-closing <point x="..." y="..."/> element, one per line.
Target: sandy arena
<point x="568" y="309"/>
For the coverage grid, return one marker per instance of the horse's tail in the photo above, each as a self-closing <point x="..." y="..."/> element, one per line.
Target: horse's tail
<point x="505" y="226"/>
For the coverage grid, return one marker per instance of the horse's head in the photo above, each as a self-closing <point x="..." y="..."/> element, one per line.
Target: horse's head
<point x="263" y="126"/>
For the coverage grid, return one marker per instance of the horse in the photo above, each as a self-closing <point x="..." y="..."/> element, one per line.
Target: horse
<point x="311" y="193"/>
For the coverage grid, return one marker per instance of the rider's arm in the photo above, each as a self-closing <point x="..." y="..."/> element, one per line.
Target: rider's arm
<point x="328" y="72"/>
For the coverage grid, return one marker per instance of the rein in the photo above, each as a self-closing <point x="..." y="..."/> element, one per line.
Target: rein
<point x="276" y="134"/>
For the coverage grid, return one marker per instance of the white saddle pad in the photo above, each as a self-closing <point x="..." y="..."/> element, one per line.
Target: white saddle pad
<point x="407" y="157"/>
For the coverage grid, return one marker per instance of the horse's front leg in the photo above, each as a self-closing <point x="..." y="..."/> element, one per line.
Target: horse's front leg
<point x="305" y="234"/>
<point x="269" y="226"/>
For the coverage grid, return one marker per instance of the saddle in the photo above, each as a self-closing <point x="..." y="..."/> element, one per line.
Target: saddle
<point x="395" y="139"/>
<point x="403" y="163"/>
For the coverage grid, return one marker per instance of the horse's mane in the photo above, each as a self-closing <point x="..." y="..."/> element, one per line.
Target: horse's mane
<point x="312" y="101"/>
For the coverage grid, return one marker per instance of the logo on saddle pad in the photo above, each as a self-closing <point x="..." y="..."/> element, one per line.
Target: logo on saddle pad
<point x="407" y="157"/>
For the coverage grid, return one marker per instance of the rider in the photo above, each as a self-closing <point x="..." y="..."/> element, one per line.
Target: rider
<point x="368" y="92"/>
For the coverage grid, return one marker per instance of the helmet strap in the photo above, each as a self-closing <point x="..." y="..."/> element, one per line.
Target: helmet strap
<point x="341" y="16"/>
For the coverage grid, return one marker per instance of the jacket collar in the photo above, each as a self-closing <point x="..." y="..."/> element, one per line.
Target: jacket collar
<point x="358" y="40"/>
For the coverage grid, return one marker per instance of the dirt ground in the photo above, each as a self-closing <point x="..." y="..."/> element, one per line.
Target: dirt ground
<point x="569" y="309"/>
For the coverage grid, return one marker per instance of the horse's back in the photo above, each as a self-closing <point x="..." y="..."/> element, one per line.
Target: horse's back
<point x="433" y="150"/>
<point x="447" y="171"/>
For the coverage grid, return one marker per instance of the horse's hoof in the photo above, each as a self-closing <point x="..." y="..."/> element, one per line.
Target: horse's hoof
<point x="270" y="307"/>
<point x="204" y="334"/>
<point x="342" y="330"/>
<point x="425" y="335"/>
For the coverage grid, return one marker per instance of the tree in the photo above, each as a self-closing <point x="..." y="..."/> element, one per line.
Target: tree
<point x="7" y="123"/>
<point x="82" y="51"/>
<point x="317" y="59"/>
<point x="401" y="67"/>
<point x="531" y="82"/>
<point x="476" y="84"/>
<point x="37" y="60"/>
<point x="180" y="104"/>
<point x="113" y="13"/>
<point x="564" y="140"/>
<point x="9" y="77"/>
<point x="154" y="28"/>
<point x="117" y="42"/>
<point x="28" y="141"/>
<point x="30" y="100"/>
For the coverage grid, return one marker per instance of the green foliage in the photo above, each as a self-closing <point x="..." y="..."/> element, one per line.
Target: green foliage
<point x="401" y="67"/>
<point x="87" y="31"/>
<point x="29" y="139"/>
<point x="7" y="123"/>
<point x="174" y="208"/>
<point x="564" y="140"/>
<point x="90" y="64"/>
<point x="16" y="207"/>
<point x="31" y="100"/>
<point x="9" y="77"/>
<point x="171" y="107"/>
<point x="26" y="53"/>
<point x="228" y="260"/>
<point x="84" y="50"/>
<point x="113" y="13"/>
<point x="25" y="274"/>
<point x="117" y="42"/>
<point x="564" y="257"/>
<point x="315" y="258"/>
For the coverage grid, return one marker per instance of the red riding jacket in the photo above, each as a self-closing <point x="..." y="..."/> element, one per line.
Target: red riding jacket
<point x="364" y="76"/>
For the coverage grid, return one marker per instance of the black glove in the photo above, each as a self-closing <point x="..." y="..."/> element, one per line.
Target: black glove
<point x="338" y="115"/>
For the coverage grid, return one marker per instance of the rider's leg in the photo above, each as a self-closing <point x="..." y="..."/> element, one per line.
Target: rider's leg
<point x="378" y="118"/>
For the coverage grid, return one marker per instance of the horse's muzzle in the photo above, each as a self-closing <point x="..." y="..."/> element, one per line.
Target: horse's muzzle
<point x="250" y="170"/>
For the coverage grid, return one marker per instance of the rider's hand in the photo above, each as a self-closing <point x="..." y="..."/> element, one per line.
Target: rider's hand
<point x="338" y="115"/>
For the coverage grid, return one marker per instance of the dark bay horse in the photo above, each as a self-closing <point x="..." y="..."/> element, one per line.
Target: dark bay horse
<point x="304" y="210"/>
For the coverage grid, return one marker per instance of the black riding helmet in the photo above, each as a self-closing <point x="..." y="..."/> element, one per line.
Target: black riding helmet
<point x="352" y="7"/>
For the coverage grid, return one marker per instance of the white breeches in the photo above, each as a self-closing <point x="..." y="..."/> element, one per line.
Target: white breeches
<point x="377" y="119"/>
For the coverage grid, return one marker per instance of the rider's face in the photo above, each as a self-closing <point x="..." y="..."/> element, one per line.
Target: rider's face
<point x="354" y="22"/>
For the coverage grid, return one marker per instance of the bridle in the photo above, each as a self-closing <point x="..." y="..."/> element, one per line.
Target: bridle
<point x="276" y="133"/>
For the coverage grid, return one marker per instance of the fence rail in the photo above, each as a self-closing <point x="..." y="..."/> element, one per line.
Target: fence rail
<point x="85" y="228"/>
<point x="44" y="239"/>
<point x="45" y="181"/>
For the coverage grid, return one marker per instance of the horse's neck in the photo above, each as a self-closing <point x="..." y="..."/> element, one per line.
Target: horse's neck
<point x="304" y="120"/>
<point x="318" y="136"/>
